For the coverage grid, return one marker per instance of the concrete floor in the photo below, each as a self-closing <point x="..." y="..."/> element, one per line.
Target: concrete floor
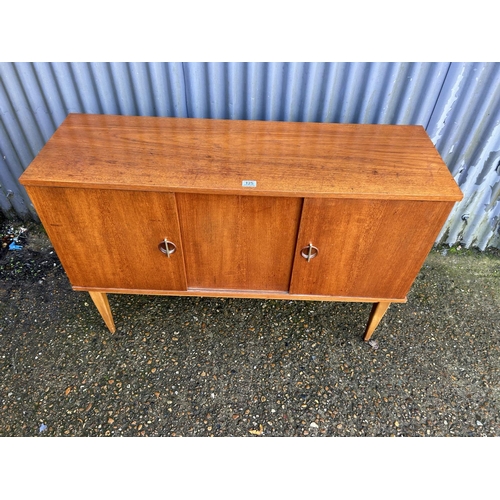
<point x="234" y="367"/>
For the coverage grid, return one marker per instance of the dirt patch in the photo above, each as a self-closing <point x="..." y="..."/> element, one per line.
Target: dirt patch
<point x="26" y="254"/>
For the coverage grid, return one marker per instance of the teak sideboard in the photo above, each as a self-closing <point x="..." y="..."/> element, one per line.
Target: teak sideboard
<point x="233" y="208"/>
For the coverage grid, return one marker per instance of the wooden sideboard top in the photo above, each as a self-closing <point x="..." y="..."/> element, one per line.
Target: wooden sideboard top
<point x="216" y="156"/>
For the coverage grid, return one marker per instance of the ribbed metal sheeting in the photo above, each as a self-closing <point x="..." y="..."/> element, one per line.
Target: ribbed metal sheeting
<point x="465" y="127"/>
<point x="457" y="103"/>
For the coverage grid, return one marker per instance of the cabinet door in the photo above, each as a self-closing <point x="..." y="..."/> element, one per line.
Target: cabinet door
<point x="238" y="242"/>
<point x="366" y="248"/>
<point x="109" y="239"/>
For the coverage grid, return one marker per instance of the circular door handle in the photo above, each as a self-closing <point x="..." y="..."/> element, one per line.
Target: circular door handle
<point x="309" y="252"/>
<point x="167" y="247"/>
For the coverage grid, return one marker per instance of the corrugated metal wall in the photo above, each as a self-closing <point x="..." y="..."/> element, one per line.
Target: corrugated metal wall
<point x="457" y="103"/>
<point x="465" y="127"/>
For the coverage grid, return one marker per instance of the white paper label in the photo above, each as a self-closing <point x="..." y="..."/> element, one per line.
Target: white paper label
<point x="249" y="184"/>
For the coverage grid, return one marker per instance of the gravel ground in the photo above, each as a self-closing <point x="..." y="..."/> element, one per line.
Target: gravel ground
<point x="241" y="367"/>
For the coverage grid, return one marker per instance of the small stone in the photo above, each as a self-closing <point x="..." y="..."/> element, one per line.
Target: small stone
<point x="314" y="425"/>
<point x="396" y="423"/>
<point x="256" y="432"/>
<point x="110" y="420"/>
<point x="339" y="426"/>
<point x="479" y="423"/>
<point x="263" y="398"/>
<point x="236" y="416"/>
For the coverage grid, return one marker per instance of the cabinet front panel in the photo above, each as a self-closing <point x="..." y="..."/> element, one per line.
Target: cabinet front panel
<point x="238" y="242"/>
<point x="365" y="248"/>
<point x="109" y="239"/>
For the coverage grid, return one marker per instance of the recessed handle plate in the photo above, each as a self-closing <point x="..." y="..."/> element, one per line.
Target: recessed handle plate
<point x="309" y="252"/>
<point x="167" y="247"/>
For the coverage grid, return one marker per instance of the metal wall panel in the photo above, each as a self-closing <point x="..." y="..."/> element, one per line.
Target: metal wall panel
<point x="465" y="127"/>
<point x="403" y="93"/>
<point x="458" y="104"/>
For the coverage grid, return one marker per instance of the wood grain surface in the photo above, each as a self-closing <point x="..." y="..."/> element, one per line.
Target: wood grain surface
<point x="238" y="242"/>
<point x="216" y="156"/>
<point x="240" y="199"/>
<point x="367" y="248"/>
<point x="241" y="294"/>
<point x="108" y="238"/>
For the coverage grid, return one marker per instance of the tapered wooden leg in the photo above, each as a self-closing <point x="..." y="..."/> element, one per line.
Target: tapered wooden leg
<point x="378" y="311"/>
<point x="101" y="302"/>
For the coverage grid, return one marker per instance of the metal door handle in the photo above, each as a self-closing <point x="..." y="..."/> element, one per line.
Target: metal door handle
<point x="167" y="247"/>
<point x="309" y="252"/>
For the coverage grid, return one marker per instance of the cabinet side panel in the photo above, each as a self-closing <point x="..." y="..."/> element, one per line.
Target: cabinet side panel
<point x="367" y="248"/>
<point x="238" y="242"/>
<point x="108" y="239"/>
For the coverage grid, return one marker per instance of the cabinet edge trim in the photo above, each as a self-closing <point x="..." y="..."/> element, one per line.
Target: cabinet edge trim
<point x="238" y="294"/>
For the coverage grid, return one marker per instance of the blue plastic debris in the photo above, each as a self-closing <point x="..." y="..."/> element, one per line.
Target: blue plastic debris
<point x="14" y="246"/>
<point x="43" y="428"/>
